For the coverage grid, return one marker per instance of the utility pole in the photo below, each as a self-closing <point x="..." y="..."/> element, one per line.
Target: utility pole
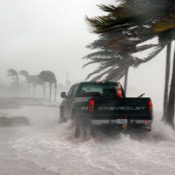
<point x="67" y="77"/>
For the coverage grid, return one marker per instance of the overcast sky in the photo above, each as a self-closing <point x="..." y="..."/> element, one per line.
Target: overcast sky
<point x="41" y="35"/>
<point x="51" y="35"/>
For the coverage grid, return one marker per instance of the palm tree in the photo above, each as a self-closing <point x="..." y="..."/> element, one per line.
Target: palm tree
<point x="129" y="14"/>
<point x="52" y="80"/>
<point x="44" y="77"/>
<point x="26" y="75"/>
<point x="111" y="54"/>
<point x="37" y="81"/>
<point x="171" y="101"/>
<point x="166" y="87"/>
<point x="132" y="17"/>
<point x="167" y="25"/>
<point x="34" y="80"/>
<point x="14" y="74"/>
<point x="48" y="77"/>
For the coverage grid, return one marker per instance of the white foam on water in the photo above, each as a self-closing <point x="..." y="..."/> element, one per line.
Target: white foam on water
<point x="54" y="148"/>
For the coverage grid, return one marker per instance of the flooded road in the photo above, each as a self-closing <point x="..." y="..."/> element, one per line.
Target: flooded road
<point x="47" y="148"/>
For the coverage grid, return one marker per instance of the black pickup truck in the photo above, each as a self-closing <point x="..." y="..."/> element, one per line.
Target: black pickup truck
<point x="104" y="103"/>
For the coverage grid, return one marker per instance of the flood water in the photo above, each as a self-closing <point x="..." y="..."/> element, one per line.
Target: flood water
<point x="47" y="148"/>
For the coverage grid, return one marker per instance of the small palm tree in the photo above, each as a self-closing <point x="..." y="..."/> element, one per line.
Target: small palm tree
<point x="48" y="77"/>
<point x="26" y="75"/>
<point x="44" y="77"/>
<point x="14" y="74"/>
<point x="52" y="80"/>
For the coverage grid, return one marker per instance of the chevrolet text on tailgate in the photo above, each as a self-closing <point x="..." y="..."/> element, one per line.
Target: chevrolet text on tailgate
<point x="90" y="104"/>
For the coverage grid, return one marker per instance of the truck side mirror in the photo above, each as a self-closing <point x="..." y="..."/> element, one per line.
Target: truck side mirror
<point x="63" y="94"/>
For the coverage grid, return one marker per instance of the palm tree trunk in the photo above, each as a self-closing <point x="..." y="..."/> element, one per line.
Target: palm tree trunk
<point x="50" y="92"/>
<point x="167" y="74"/>
<point x="34" y="90"/>
<point x="126" y="81"/>
<point x="55" y="90"/>
<point x="17" y="82"/>
<point x="44" y="89"/>
<point x="171" y="102"/>
<point x="28" y="89"/>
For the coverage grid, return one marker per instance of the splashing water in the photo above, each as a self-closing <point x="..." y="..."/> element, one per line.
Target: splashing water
<point x="52" y="147"/>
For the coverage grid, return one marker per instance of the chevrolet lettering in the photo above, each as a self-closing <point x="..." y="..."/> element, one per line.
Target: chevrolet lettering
<point x="121" y="108"/>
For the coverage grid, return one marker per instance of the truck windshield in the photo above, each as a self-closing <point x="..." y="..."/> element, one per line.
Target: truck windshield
<point x="98" y="90"/>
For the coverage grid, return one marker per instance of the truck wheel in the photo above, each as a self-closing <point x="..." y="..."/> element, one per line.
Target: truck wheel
<point x="82" y="126"/>
<point x="61" y="120"/>
<point x="76" y="120"/>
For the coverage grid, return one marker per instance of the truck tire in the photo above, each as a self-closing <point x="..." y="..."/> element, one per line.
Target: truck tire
<point x="82" y="126"/>
<point x="61" y="120"/>
<point x="76" y="121"/>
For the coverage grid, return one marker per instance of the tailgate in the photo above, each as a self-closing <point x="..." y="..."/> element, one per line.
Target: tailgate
<point x="122" y="106"/>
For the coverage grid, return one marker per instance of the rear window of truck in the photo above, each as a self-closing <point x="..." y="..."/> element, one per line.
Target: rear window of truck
<point x="98" y="90"/>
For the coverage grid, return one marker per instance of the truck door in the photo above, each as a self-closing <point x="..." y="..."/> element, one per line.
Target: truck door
<point x="70" y="99"/>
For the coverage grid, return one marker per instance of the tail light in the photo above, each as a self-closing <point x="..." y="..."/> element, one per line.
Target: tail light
<point x="146" y="122"/>
<point x="92" y="106"/>
<point x="119" y="91"/>
<point x="150" y="107"/>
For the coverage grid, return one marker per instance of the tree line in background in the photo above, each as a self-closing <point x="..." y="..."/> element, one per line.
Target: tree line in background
<point x="42" y="79"/>
<point x="124" y="31"/>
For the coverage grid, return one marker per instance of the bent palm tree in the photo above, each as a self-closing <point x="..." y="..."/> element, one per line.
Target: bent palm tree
<point x="26" y="75"/>
<point x="52" y="80"/>
<point x="130" y="17"/>
<point x="48" y="76"/>
<point x="167" y="25"/>
<point x="166" y="87"/>
<point x="111" y="54"/>
<point x="14" y="74"/>
<point x="171" y="101"/>
<point x="44" y="77"/>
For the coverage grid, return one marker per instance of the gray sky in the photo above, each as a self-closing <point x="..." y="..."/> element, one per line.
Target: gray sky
<point x="51" y="35"/>
<point x="41" y="35"/>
